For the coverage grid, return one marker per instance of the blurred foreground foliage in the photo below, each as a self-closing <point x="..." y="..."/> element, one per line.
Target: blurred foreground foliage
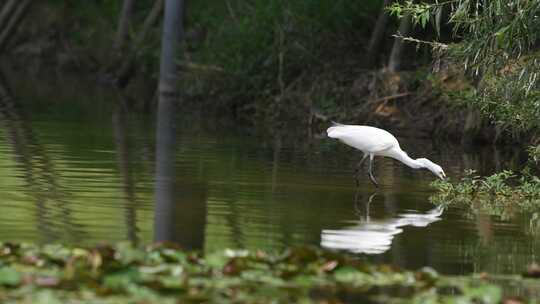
<point x="162" y="273"/>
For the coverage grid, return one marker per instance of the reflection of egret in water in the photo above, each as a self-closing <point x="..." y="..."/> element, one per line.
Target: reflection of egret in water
<point x="375" y="236"/>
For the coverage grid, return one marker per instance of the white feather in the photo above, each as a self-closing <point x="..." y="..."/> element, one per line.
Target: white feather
<point x="378" y="142"/>
<point x="364" y="138"/>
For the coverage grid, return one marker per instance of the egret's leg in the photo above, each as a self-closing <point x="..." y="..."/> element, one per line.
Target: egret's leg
<point x="371" y="177"/>
<point x="362" y="160"/>
<point x="364" y="210"/>
<point x="357" y="170"/>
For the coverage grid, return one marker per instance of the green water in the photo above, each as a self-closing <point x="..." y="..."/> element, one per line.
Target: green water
<point x="77" y="167"/>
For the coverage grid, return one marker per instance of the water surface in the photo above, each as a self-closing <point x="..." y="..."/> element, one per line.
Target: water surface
<point x="78" y="167"/>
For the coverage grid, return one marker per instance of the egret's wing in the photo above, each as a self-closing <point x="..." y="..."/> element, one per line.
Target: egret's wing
<point x="364" y="138"/>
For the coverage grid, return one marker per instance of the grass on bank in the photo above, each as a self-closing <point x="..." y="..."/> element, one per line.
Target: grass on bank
<point x="502" y="193"/>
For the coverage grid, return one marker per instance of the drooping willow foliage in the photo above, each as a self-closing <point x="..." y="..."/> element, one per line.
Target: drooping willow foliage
<point x="497" y="42"/>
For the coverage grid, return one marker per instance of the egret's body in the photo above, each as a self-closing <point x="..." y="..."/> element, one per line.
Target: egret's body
<point x="378" y="142"/>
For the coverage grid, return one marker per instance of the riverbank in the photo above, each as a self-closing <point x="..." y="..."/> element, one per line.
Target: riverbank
<point x="302" y="72"/>
<point x="409" y="103"/>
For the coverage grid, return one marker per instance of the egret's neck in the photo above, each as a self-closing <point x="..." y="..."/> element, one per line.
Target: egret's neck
<point x="404" y="158"/>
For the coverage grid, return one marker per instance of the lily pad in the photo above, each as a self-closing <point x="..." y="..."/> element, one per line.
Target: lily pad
<point x="9" y="276"/>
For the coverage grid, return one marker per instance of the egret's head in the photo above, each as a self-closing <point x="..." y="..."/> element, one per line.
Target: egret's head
<point x="433" y="167"/>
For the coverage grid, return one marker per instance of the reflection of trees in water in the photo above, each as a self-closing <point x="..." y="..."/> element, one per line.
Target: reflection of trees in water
<point x="180" y="206"/>
<point x="496" y="245"/>
<point x="238" y="240"/>
<point x="39" y="171"/>
<point x="123" y="152"/>
<point x="165" y="175"/>
<point x="286" y="228"/>
<point x="182" y="220"/>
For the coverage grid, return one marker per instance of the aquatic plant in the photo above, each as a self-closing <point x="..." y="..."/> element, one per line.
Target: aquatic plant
<point x="503" y="193"/>
<point x="162" y="273"/>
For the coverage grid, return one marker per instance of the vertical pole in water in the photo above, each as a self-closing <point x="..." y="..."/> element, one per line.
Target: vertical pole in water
<point x="170" y="42"/>
<point x="168" y="90"/>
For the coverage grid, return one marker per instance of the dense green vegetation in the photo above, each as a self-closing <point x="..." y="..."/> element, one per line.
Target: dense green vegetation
<point x="497" y="43"/>
<point x="162" y="273"/>
<point x="497" y="194"/>
<point x="311" y="60"/>
<point x="261" y="37"/>
<point x="502" y="193"/>
<point x="283" y="58"/>
<point x="248" y="57"/>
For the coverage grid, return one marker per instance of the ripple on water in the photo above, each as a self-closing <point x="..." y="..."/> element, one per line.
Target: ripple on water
<point x="79" y="182"/>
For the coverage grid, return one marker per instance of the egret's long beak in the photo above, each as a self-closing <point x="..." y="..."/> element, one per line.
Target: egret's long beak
<point x="443" y="176"/>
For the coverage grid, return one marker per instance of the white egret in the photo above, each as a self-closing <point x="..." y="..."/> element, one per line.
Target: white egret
<point x="378" y="142"/>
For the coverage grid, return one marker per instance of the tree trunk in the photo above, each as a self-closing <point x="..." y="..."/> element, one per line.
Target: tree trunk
<point x="127" y="68"/>
<point x="165" y="168"/>
<point x="7" y="12"/>
<point x="123" y="25"/>
<point x="170" y="42"/>
<point x="13" y="22"/>
<point x="377" y="35"/>
<point x="394" y="62"/>
<point x="166" y="120"/>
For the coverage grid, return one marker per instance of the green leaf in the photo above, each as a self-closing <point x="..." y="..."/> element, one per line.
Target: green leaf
<point x="127" y="254"/>
<point x="424" y="18"/>
<point x="501" y="35"/>
<point x="438" y="14"/>
<point x="46" y="297"/>
<point x="172" y="255"/>
<point x="351" y="275"/>
<point x="216" y="259"/>
<point x="9" y="276"/>
<point x="484" y="294"/>
<point x="122" y="279"/>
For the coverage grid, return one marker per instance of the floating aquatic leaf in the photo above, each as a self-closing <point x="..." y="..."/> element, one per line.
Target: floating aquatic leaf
<point x="427" y="275"/>
<point x="329" y="266"/>
<point x="159" y="274"/>
<point x="121" y="279"/>
<point x="236" y="253"/>
<point x="127" y="254"/>
<point x="9" y="276"/>
<point x="351" y="275"/>
<point x="172" y="282"/>
<point x="484" y="293"/>
<point x="533" y="271"/>
<point x="47" y="281"/>
<point x="514" y="300"/>
<point x="216" y="260"/>
<point x="234" y="267"/>
<point x="157" y="269"/>
<point x="46" y="297"/>
<point x="172" y="255"/>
